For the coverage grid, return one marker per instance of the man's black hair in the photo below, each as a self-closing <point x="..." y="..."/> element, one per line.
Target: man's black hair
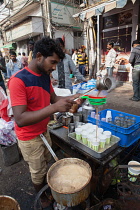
<point x="111" y="44"/>
<point x="47" y="46"/>
<point x="60" y="41"/>
<point x="19" y="53"/>
<point x="135" y="42"/>
<point x="13" y="53"/>
<point x="23" y="53"/>
<point x="31" y="42"/>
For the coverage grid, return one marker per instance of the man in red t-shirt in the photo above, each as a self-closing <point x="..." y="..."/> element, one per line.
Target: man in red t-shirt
<point x="33" y="101"/>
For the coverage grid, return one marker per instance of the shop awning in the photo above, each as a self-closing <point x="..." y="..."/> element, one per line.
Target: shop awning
<point x="8" y="46"/>
<point x="101" y="8"/>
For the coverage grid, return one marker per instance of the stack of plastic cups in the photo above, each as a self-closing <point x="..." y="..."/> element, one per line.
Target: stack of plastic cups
<point x="108" y="136"/>
<point x="102" y="138"/>
<point x="78" y="132"/>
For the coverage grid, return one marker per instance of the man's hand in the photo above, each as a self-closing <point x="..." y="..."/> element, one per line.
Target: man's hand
<point x="64" y="104"/>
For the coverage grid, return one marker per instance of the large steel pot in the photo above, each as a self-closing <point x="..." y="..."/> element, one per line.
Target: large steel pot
<point x="75" y="197"/>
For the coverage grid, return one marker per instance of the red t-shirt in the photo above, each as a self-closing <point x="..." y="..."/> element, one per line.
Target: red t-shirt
<point x="33" y="90"/>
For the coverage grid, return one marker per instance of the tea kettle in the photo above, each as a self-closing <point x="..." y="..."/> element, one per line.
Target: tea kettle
<point x="106" y="83"/>
<point x="86" y="110"/>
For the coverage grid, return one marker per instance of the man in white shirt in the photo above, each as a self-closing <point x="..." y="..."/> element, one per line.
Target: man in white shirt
<point x="19" y="56"/>
<point x="110" y="59"/>
<point x="74" y="57"/>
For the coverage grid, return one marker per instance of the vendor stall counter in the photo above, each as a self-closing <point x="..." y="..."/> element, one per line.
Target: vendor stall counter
<point x="99" y="166"/>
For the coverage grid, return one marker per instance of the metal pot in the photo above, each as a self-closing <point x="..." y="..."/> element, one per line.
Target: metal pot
<point x="86" y="110"/>
<point x="73" y="198"/>
<point x="105" y="83"/>
<point x="8" y="203"/>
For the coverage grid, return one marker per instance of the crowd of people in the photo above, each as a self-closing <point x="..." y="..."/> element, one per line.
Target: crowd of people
<point x="75" y="65"/>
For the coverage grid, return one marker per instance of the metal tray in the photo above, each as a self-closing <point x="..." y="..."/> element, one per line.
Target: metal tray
<point x="101" y="153"/>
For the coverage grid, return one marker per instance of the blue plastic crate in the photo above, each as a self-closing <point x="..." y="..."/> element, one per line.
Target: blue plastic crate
<point x="127" y="135"/>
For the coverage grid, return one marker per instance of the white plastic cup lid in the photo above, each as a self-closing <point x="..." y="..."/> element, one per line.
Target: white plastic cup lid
<point x="78" y="130"/>
<point x="102" y="137"/>
<point x="100" y="130"/>
<point x="107" y="133"/>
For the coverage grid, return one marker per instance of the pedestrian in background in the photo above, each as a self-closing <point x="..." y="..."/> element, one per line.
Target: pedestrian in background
<point x="82" y="61"/>
<point x="135" y="62"/>
<point x="74" y="56"/>
<point x="19" y="56"/>
<point x="61" y="77"/>
<point x="13" y="65"/>
<point x="31" y="48"/>
<point x="24" y="59"/>
<point x="110" y="58"/>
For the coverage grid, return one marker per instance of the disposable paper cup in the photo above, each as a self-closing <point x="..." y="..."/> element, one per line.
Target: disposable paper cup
<point x="134" y="171"/>
<point x="78" y="132"/>
<point x="89" y="142"/>
<point x="100" y="130"/>
<point x="102" y="141"/>
<point x="108" y="136"/>
<point x="84" y="137"/>
<point x="95" y="146"/>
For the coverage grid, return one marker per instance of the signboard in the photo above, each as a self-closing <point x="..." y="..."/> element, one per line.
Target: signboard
<point x="62" y="14"/>
<point x="120" y="19"/>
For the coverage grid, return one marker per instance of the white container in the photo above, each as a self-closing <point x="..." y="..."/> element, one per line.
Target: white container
<point x="108" y="115"/>
<point x="102" y="141"/>
<point x="78" y="132"/>
<point x="134" y="171"/>
<point x="108" y="136"/>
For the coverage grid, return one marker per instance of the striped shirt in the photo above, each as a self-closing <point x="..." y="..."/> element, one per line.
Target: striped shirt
<point x="80" y="59"/>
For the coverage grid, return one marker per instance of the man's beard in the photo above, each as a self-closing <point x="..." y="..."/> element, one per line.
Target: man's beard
<point x="42" y="70"/>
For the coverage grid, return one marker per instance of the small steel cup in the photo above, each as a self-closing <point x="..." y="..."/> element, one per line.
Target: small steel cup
<point x="71" y="127"/>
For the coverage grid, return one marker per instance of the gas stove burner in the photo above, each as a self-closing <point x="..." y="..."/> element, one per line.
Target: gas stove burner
<point x="82" y="206"/>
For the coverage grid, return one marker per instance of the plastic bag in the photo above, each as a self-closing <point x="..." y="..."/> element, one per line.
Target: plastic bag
<point x="4" y="102"/>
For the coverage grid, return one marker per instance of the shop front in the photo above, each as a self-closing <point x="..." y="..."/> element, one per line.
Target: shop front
<point x="113" y="21"/>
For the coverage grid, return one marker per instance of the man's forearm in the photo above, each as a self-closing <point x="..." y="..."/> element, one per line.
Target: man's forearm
<point x="32" y="117"/>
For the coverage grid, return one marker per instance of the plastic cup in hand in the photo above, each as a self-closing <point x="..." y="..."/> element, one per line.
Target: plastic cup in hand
<point x="102" y="141"/>
<point x="78" y="132"/>
<point x="108" y="136"/>
<point x="84" y="137"/>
